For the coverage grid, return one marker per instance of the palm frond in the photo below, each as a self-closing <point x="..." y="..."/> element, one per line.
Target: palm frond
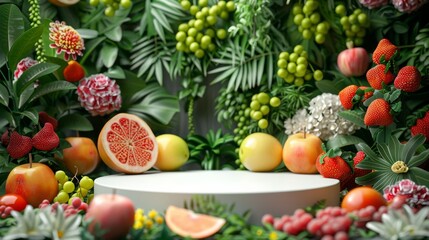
<point x="241" y="68"/>
<point x="150" y="56"/>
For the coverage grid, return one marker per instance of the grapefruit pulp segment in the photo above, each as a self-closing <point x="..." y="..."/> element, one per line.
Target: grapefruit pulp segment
<point x="186" y="223"/>
<point x="127" y="144"/>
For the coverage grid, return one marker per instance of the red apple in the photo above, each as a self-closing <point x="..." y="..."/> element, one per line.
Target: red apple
<point x="34" y="182"/>
<point x="82" y="157"/>
<point x="353" y="62"/>
<point x="112" y="213"/>
<point x="300" y="152"/>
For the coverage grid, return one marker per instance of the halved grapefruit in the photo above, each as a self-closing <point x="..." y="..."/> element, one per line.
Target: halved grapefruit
<point x="186" y="223"/>
<point x="64" y="3"/>
<point x="127" y="144"/>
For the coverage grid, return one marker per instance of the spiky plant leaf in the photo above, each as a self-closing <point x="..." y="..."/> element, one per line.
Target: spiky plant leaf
<point x="394" y="161"/>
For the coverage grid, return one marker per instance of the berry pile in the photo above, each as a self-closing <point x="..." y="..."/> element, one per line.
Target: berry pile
<point x="260" y="108"/>
<point x="354" y="25"/>
<point x="111" y="5"/>
<point x="309" y="21"/>
<point x="5" y="211"/>
<point x="328" y="223"/>
<point x="198" y="35"/>
<point x="68" y="191"/>
<point x="295" y="68"/>
<point x="74" y="207"/>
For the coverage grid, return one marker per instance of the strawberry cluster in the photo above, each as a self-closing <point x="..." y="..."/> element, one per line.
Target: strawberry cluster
<point x="46" y="139"/>
<point x="380" y="103"/>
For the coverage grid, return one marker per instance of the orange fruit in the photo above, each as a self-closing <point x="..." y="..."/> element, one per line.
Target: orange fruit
<point x="361" y="197"/>
<point x="127" y="144"/>
<point x="73" y="72"/>
<point x="188" y="224"/>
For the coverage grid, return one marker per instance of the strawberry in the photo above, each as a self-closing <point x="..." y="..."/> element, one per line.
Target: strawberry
<point x="44" y="118"/>
<point x="408" y="79"/>
<point x="378" y="113"/>
<point x="346" y="96"/>
<point x="19" y="145"/>
<point x="384" y="48"/>
<point x="5" y="138"/>
<point x="368" y="92"/>
<point x="378" y="75"/>
<point x="421" y="126"/>
<point x="333" y="165"/>
<point x="73" y="72"/>
<point x="46" y="139"/>
<point x="357" y="172"/>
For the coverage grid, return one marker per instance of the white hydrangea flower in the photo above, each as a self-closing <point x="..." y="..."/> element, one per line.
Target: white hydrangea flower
<point x="321" y="118"/>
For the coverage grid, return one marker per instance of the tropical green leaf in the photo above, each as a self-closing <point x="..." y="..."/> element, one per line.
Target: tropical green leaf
<point x="75" y="122"/>
<point x="4" y="95"/>
<point x="11" y="27"/>
<point x="108" y="54"/>
<point x="342" y="140"/>
<point x="24" y="96"/>
<point x="23" y="46"/>
<point x="6" y="115"/>
<point x="419" y="176"/>
<point x="90" y="46"/>
<point x="51" y="87"/>
<point x="411" y="147"/>
<point x="373" y="161"/>
<point x="31" y="114"/>
<point x="28" y="77"/>
<point x="154" y="102"/>
<point x="353" y="116"/>
<point x="419" y="159"/>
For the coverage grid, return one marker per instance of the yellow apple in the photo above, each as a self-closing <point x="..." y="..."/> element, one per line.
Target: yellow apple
<point x="300" y="152"/>
<point x="173" y="152"/>
<point x="260" y="152"/>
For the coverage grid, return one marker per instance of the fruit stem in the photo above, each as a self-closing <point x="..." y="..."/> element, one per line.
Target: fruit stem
<point x="305" y="132"/>
<point x="30" y="159"/>
<point x="113" y="193"/>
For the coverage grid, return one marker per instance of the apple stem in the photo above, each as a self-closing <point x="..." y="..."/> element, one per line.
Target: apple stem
<point x="113" y="193"/>
<point x="305" y="132"/>
<point x="30" y="159"/>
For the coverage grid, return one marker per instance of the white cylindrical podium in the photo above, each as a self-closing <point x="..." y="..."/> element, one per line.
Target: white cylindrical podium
<point x="276" y="193"/>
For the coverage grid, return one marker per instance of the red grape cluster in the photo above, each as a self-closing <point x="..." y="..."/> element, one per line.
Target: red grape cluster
<point x="5" y="211"/>
<point x="198" y="34"/>
<point x="69" y="209"/>
<point x="368" y="214"/>
<point x="309" y="21"/>
<point x="330" y="223"/>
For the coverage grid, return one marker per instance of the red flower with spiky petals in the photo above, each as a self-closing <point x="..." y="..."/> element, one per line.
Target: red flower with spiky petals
<point x="66" y="39"/>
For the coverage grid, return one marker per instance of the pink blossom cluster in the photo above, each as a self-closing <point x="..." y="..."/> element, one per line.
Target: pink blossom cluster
<point x="401" y="5"/>
<point x="416" y="195"/>
<point x="23" y="65"/>
<point x="99" y="95"/>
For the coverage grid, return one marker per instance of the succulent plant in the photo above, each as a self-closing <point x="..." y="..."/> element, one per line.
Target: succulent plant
<point x="402" y="224"/>
<point x="394" y="161"/>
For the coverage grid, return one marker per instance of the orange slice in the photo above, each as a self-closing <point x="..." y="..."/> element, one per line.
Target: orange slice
<point x="127" y="144"/>
<point x="186" y="223"/>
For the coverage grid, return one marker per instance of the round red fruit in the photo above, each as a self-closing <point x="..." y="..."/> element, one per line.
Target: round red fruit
<point x="15" y="201"/>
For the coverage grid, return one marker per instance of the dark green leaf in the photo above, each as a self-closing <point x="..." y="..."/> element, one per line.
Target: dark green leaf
<point x="417" y="160"/>
<point x="87" y="33"/>
<point x="23" y="46"/>
<point x="353" y="116"/>
<point x="115" y="72"/>
<point x="340" y="141"/>
<point x="115" y="34"/>
<point x="50" y="88"/>
<point x="419" y="176"/>
<point x="75" y="122"/>
<point x="108" y="54"/>
<point x="4" y="95"/>
<point x="373" y="161"/>
<point x="24" y="96"/>
<point x="28" y="77"/>
<point x="32" y="114"/>
<point x="11" y="27"/>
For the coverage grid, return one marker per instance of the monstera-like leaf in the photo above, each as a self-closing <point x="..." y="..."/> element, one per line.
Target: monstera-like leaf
<point x="393" y="162"/>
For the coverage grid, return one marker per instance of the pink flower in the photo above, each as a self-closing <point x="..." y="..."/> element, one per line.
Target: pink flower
<point x="373" y="3"/>
<point x="408" y="5"/>
<point x="23" y="65"/>
<point x="66" y="39"/>
<point x="416" y="195"/>
<point x="99" y="95"/>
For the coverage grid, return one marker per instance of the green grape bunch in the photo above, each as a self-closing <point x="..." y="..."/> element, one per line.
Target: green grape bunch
<point x="294" y="67"/>
<point x="309" y="21"/>
<point x="261" y="106"/>
<point x="72" y="187"/>
<point x="354" y="25"/>
<point x="111" y="6"/>
<point x="198" y="35"/>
